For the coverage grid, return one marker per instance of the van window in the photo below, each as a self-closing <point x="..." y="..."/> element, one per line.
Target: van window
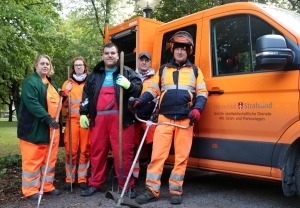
<point x="233" y="43"/>
<point x="166" y="55"/>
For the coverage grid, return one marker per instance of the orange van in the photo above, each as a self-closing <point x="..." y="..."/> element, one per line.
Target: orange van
<point x="250" y="57"/>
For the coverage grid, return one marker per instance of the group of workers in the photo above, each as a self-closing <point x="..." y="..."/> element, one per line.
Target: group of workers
<point x="92" y="104"/>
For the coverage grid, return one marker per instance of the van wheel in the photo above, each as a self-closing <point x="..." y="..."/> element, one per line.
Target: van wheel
<point x="297" y="177"/>
<point x="288" y="180"/>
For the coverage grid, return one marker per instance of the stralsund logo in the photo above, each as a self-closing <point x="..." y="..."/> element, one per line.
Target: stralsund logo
<point x="240" y="105"/>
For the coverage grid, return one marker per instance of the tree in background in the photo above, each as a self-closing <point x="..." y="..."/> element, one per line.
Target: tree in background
<point x="168" y="10"/>
<point x="28" y="27"/>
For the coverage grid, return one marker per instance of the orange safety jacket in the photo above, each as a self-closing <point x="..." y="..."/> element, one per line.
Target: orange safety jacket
<point x="80" y="136"/>
<point x="179" y="90"/>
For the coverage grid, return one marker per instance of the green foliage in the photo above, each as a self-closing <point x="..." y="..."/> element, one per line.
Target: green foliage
<point x="169" y="10"/>
<point x="10" y="161"/>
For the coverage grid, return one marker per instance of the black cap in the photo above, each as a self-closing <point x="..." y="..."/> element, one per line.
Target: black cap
<point x="146" y="54"/>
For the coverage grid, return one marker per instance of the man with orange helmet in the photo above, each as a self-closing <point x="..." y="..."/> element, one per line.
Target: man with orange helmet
<point x="183" y="95"/>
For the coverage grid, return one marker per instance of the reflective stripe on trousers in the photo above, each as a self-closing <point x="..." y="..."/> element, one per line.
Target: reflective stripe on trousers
<point x="162" y="141"/>
<point x="80" y="148"/>
<point x="34" y="158"/>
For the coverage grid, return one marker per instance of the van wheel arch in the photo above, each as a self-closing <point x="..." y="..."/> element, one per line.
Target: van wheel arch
<point x="291" y="171"/>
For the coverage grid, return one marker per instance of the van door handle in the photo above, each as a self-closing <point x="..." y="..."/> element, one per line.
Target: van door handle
<point x="215" y="92"/>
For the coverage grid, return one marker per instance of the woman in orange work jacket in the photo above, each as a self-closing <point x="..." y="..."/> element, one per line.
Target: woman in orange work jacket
<point x="79" y="137"/>
<point x="36" y="122"/>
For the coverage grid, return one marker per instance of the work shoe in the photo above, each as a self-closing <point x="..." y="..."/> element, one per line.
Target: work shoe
<point x="130" y="193"/>
<point x="83" y="186"/>
<point x="54" y="192"/>
<point x="89" y="191"/>
<point x="175" y="199"/>
<point x="67" y="186"/>
<point x="34" y="196"/>
<point x="146" y="197"/>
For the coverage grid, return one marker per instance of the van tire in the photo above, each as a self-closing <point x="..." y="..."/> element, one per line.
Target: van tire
<point x="288" y="181"/>
<point x="297" y="177"/>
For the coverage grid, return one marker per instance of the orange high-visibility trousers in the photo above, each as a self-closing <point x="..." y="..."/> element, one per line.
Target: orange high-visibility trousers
<point x="162" y="141"/>
<point x="80" y="144"/>
<point x="34" y="158"/>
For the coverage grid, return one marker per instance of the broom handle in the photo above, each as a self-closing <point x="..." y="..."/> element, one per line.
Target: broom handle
<point x="121" y="117"/>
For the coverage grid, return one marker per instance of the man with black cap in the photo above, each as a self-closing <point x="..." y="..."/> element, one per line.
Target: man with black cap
<point x="183" y="95"/>
<point x="146" y="74"/>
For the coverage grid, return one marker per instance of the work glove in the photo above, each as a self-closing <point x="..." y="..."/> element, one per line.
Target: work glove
<point x="84" y="122"/>
<point x="133" y="104"/>
<point x="52" y="123"/>
<point x="123" y="81"/>
<point x="194" y="116"/>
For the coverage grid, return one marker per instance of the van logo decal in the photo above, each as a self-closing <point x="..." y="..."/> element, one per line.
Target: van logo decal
<point x="240" y="105"/>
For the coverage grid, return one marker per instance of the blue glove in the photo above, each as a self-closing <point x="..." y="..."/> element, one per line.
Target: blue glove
<point x="84" y="122"/>
<point x="123" y="81"/>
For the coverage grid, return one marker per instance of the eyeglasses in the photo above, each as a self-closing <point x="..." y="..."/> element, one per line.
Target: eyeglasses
<point x="78" y="64"/>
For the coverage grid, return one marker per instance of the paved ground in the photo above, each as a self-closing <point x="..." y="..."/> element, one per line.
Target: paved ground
<point x="201" y="189"/>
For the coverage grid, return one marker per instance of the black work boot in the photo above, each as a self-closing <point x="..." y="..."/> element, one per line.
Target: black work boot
<point x="175" y="199"/>
<point x="54" y="192"/>
<point x="146" y="197"/>
<point x="130" y="193"/>
<point x="67" y="186"/>
<point x="89" y="191"/>
<point x="83" y="186"/>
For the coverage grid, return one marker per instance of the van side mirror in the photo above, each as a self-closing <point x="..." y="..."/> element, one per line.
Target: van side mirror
<point x="272" y="52"/>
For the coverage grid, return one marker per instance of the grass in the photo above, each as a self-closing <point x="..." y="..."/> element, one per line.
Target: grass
<point x="9" y="143"/>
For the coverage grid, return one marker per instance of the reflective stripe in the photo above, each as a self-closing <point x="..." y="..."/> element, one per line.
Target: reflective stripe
<point x="82" y="169"/>
<point x="136" y="170"/>
<point x="153" y="177"/>
<point x="81" y="166"/>
<point x="75" y="101"/>
<point x="68" y="172"/>
<point x="50" y="170"/>
<point x="73" y="110"/>
<point x="107" y="112"/>
<point x="200" y="86"/>
<point x="180" y="87"/>
<point x="175" y="187"/>
<point x="49" y="178"/>
<point x="156" y="187"/>
<point x="177" y="177"/>
<point x="27" y="174"/>
<point x="155" y="86"/>
<point x="32" y="183"/>
<point x="82" y="174"/>
<point x="202" y="94"/>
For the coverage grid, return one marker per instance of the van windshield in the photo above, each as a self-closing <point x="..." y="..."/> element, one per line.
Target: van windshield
<point x="285" y="17"/>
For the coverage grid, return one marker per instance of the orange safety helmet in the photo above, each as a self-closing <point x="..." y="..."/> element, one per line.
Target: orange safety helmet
<point x="182" y="37"/>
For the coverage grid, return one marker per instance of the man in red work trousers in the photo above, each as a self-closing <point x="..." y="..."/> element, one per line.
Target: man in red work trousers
<point x="183" y="95"/>
<point x="100" y="101"/>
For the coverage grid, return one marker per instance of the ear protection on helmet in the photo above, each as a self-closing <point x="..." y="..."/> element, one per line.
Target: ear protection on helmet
<point x="182" y="37"/>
